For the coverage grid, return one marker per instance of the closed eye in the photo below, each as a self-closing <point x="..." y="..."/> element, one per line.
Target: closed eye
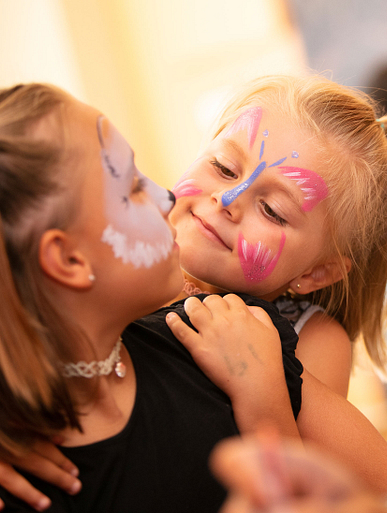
<point x="269" y="212"/>
<point x="138" y="185"/>
<point x="223" y="170"/>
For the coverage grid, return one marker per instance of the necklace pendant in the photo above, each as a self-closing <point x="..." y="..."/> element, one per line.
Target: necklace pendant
<point x="120" y="369"/>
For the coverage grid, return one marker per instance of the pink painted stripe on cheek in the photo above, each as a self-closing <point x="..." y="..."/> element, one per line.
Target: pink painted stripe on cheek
<point x="256" y="260"/>
<point x="249" y="119"/>
<point x="311" y="184"/>
<point x="186" y="188"/>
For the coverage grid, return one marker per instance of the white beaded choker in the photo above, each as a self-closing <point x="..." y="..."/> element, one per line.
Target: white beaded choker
<point x="103" y="368"/>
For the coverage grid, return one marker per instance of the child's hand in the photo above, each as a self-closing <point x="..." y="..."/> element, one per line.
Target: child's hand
<point x="46" y="462"/>
<point x="270" y="475"/>
<point x="239" y="349"/>
<point x="233" y="346"/>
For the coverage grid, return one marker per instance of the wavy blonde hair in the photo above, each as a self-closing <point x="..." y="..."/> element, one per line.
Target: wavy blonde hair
<point x="351" y="145"/>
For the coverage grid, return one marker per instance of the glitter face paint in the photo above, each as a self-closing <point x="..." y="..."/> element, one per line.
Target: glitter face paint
<point x="136" y="232"/>
<point x="311" y="184"/>
<point x="229" y="196"/>
<point x="257" y="261"/>
<point x="250" y="120"/>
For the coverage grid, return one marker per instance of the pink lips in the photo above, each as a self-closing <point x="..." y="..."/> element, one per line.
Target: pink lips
<point x="208" y="231"/>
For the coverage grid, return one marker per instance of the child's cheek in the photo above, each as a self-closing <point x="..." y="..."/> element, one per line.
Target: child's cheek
<point x="257" y="260"/>
<point x="186" y="188"/>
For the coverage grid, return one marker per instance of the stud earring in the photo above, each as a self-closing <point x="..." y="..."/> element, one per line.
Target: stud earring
<point x="91" y="277"/>
<point x="298" y="285"/>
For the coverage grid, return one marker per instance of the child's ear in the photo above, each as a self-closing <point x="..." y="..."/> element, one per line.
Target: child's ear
<point x="320" y="276"/>
<point x="62" y="261"/>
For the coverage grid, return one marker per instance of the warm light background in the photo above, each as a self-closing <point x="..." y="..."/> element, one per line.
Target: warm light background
<point x="157" y="68"/>
<point x="160" y="70"/>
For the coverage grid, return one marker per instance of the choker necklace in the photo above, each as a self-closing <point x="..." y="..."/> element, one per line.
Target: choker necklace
<point x="191" y="289"/>
<point x="103" y="368"/>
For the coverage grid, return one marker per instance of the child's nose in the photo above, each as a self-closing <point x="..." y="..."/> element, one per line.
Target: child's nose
<point x="233" y="211"/>
<point x="167" y="203"/>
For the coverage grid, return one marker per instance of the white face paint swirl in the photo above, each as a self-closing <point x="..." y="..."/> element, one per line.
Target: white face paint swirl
<point x="136" y="230"/>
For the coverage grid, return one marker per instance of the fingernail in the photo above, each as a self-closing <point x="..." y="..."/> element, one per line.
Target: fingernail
<point x="74" y="472"/>
<point x="77" y="485"/>
<point x="171" y="316"/>
<point x="43" y="504"/>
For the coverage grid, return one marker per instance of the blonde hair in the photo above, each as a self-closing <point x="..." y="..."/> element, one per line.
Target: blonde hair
<point x="34" y="337"/>
<point x="351" y="145"/>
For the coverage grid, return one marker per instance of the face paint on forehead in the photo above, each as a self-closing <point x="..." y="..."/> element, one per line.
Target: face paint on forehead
<point x="136" y="231"/>
<point x="257" y="261"/>
<point x="250" y="120"/>
<point x="311" y="184"/>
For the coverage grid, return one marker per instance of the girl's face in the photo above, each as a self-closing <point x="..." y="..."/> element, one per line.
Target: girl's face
<point x="250" y="210"/>
<point x="123" y="222"/>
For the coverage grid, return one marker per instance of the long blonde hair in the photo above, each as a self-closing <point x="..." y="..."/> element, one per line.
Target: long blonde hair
<point x="34" y="337"/>
<point x="351" y="145"/>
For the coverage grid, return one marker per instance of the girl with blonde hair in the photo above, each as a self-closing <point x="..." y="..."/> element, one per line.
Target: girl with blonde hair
<point x="290" y="194"/>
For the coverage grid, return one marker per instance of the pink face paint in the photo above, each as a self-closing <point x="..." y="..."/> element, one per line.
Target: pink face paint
<point x="250" y="120"/>
<point x="186" y="188"/>
<point x="311" y="184"/>
<point x="257" y="261"/>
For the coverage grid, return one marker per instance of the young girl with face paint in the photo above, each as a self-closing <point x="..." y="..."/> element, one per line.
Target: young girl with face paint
<point x="291" y="195"/>
<point x="221" y="245"/>
<point x="85" y="249"/>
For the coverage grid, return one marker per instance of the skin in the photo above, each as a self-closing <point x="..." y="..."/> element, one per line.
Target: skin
<point x="210" y="258"/>
<point x="273" y="209"/>
<point x="265" y="473"/>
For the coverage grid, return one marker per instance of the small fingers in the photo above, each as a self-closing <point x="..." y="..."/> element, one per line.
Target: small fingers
<point x="49" y="451"/>
<point x="261" y="315"/>
<point x="18" y="486"/>
<point x="49" y="471"/>
<point x="182" y="332"/>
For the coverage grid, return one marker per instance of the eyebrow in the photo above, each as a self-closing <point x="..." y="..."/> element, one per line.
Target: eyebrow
<point x="236" y="147"/>
<point x="290" y="194"/>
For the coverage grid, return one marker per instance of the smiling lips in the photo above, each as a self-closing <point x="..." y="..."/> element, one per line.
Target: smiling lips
<point x="208" y="231"/>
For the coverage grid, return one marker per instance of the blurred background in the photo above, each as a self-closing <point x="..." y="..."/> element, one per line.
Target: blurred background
<point x="162" y="69"/>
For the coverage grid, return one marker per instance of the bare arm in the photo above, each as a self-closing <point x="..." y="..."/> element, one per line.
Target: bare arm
<point x="241" y="353"/>
<point x="331" y="422"/>
<point x="325" y="351"/>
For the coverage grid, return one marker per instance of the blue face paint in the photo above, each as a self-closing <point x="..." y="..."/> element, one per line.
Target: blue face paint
<point x="262" y="148"/>
<point x="278" y="162"/>
<point x="229" y="196"/>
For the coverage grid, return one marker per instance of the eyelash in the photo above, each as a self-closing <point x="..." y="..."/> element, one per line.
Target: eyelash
<point x="269" y="212"/>
<point x="223" y="169"/>
<point x="139" y="187"/>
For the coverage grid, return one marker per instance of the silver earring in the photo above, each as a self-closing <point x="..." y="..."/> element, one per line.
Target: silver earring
<point x="298" y="285"/>
<point x="91" y="277"/>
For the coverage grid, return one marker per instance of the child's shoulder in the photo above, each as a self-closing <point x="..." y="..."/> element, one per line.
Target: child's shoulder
<point x="296" y="310"/>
